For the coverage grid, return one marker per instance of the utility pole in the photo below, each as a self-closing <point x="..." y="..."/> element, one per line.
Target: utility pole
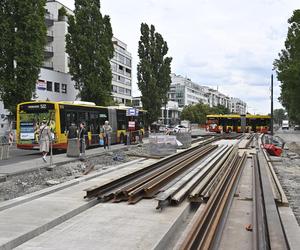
<point x="272" y="132"/>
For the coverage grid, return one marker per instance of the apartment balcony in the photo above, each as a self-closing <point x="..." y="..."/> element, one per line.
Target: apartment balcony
<point x="48" y="52"/>
<point x="50" y="36"/>
<point x="47" y="65"/>
<point x="49" y="19"/>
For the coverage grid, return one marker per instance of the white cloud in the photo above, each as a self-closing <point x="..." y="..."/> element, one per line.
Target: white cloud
<point x="230" y="44"/>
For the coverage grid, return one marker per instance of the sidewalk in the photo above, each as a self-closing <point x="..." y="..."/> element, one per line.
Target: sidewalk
<point x="34" y="164"/>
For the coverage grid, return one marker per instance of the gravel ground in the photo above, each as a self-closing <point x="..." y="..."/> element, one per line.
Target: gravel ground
<point x="30" y="182"/>
<point x="288" y="171"/>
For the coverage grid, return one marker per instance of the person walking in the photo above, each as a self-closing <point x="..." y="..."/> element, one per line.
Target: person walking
<point x="45" y="137"/>
<point x="106" y="134"/>
<point x="81" y="137"/>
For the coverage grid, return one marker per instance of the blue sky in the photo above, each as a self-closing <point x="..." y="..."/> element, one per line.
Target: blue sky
<point x="229" y="45"/>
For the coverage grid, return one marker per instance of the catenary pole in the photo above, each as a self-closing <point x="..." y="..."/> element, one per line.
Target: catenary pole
<point x="272" y="131"/>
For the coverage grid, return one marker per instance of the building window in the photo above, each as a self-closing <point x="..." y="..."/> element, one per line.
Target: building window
<point x="121" y="79"/>
<point x="127" y="61"/>
<point x="128" y="92"/>
<point x="121" y="90"/>
<point x="49" y="86"/>
<point x="64" y="88"/>
<point x="128" y="72"/>
<point x="114" y="89"/>
<point x="114" y="77"/>
<point x="56" y="87"/>
<point x="113" y="66"/>
<point x="127" y="81"/>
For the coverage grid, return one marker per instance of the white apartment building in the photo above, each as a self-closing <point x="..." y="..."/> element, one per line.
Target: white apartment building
<point x="170" y="114"/>
<point x="56" y="57"/>
<point x="121" y="73"/>
<point x="216" y="98"/>
<point x="238" y="106"/>
<point x="186" y="92"/>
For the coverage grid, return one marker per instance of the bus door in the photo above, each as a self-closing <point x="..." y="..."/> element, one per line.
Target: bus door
<point x="122" y="122"/>
<point x="236" y="124"/>
<point x="229" y="125"/>
<point x="223" y="124"/>
<point x="112" y="115"/>
<point x="252" y="124"/>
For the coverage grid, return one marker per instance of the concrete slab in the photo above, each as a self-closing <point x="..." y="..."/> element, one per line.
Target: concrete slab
<point x="291" y="226"/>
<point x="111" y="226"/>
<point x="25" y="221"/>
<point x="46" y="191"/>
<point x="240" y="215"/>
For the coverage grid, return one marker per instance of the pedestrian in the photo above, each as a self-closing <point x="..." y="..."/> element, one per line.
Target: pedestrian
<point x="81" y="136"/>
<point x="106" y="134"/>
<point x="44" y="137"/>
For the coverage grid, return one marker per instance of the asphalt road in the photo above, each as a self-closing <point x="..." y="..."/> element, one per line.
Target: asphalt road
<point x="289" y="135"/>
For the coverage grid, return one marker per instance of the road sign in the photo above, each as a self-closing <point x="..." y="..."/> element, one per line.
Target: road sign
<point x="132" y="112"/>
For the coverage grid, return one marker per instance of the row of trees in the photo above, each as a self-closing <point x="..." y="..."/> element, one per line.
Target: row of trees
<point x="288" y="69"/>
<point x="197" y="113"/>
<point x="90" y="48"/>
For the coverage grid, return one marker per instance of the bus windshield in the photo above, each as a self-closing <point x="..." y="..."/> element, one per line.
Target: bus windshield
<point x="31" y="116"/>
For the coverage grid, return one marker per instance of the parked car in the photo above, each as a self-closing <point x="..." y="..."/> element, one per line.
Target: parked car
<point x="297" y="127"/>
<point x="179" y="128"/>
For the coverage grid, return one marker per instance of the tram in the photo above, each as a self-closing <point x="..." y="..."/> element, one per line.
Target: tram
<point x="238" y="123"/>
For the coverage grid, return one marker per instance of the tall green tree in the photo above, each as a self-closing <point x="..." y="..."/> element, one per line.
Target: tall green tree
<point x="22" y="41"/>
<point x="90" y="47"/>
<point x="279" y="115"/>
<point x="288" y="69"/>
<point x="153" y="71"/>
<point x="197" y="113"/>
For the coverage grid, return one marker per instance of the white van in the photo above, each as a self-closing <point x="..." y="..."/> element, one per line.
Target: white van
<point x="285" y="124"/>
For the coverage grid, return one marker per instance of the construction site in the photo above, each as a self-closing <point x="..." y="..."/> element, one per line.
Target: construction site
<point x="214" y="191"/>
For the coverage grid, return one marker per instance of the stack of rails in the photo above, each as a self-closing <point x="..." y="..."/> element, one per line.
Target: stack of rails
<point x="202" y="233"/>
<point x="192" y="173"/>
<point x="181" y="161"/>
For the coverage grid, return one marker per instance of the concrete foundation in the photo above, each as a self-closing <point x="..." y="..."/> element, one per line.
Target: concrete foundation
<point x="27" y="220"/>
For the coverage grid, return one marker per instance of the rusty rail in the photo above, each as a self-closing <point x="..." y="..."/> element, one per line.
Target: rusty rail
<point x="202" y="233"/>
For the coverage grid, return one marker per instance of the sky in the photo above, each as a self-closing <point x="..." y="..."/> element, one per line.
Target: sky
<point x="229" y="45"/>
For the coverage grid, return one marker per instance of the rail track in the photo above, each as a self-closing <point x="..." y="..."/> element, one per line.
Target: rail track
<point x="201" y="182"/>
<point x="207" y="176"/>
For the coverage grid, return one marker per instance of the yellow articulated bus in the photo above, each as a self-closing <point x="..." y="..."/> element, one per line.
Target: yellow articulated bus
<point x="60" y="115"/>
<point x="235" y="123"/>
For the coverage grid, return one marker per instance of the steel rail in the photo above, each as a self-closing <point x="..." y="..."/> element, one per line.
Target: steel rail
<point x="124" y="191"/>
<point x="183" y="192"/>
<point x="260" y="234"/>
<point x="194" y="195"/>
<point x="106" y="189"/>
<point x="152" y="187"/>
<point x="276" y="234"/>
<point x="208" y="190"/>
<point x="202" y="232"/>
<point x="164" y="196"/>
